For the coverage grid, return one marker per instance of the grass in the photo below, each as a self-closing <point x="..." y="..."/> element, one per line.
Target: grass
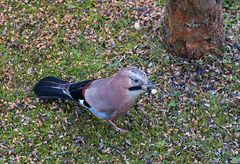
<point x="194" y="117"/>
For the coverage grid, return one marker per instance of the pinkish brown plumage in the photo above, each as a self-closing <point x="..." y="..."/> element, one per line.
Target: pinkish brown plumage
<point x="107" y="98"/>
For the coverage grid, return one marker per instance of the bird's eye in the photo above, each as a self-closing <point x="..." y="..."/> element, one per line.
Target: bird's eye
<point x="136" y="80"/>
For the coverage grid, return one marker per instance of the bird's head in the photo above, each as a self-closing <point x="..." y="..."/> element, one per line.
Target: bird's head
<point x="134" y="80"/>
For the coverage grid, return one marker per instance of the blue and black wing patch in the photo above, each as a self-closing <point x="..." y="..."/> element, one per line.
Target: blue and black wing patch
<point x="77" y="90"/>
<point x="100" y="115"/>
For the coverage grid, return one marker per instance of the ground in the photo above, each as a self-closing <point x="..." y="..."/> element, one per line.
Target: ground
<point x="194" y="117"/>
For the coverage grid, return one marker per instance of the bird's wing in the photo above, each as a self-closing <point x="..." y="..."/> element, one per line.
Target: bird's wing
<point x="101" y="97"/>
<point x="99" y="114"/>
<point x="76" y="90"/>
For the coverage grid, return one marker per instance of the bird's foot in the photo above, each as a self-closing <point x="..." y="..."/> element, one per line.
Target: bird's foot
<point x="122" y="130"/>
<point x="117" y="128"/>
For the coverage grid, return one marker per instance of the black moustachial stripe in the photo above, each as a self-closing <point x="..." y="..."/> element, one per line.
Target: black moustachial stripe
<point x="135" y="88"/>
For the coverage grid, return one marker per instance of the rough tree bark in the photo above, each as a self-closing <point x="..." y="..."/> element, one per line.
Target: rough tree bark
<point x="193" y="28"/>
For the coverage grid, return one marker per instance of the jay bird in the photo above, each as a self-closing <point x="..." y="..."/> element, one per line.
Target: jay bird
<point x="106" y="98"/>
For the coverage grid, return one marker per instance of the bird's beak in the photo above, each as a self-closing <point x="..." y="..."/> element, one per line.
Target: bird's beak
<point x="148" y="87"/>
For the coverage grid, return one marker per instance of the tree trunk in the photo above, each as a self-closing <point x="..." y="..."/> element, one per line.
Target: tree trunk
<point x="193" y="28"/>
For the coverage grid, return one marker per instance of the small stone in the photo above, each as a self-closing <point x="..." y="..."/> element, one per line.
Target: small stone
<point x="207" y="105"/>
<point x="153" y="91"/>
<point x="150" y="64"/>
<point x="137" y="25"/>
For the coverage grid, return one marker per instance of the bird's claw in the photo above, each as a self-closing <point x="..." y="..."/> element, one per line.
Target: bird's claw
<point x="122" y="131"/>
<point x="117" y="128"/>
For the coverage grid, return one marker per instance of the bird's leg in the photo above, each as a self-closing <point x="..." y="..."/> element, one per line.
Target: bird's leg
<point x="117" y="128"/>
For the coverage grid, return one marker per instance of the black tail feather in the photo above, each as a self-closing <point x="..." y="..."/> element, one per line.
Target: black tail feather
<point x="51" y="87"/>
